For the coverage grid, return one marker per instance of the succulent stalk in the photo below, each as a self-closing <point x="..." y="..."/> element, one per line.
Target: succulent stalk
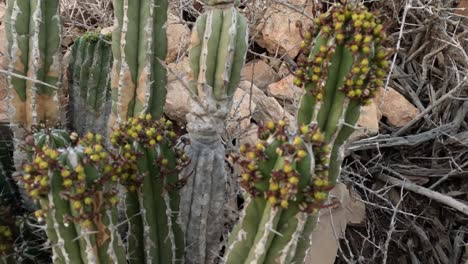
<point x="75" y="190"/>
<point x="150" y="144"/>
<point x="139" y="44"/>
<point x="217" y="54"/>
<point x="89" y="77"/>
<point x="33" y="34"/>
<point x="138" y="92"/>
<point x="289" y="174"/>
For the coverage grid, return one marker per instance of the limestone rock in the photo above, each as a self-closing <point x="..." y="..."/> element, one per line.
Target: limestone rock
<point x="287" y="94"/>
<point x="277" y="32"/>
<point x="368" y="123"/>
<point x="395" y="107"/>
<point x="267" y="107"/>
<point x="259" y="73"/>
<point x="178" y="37"/>
<point x="107" y="30"/>
<point x="178" y="98"/>
<point x="249" y="135"/>
<point x="241" y="112"/>
<point x="332" y="225"/>
<point x="463" y="5"/>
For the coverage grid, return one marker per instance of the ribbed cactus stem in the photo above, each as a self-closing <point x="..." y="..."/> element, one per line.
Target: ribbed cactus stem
<point x="139" y="46"/>
<point x="33" y="33"/>
<point x="347" y="51"/>
<point x="89" y="79"/>
<point x="342" y="70"/>
<point x="150" y="144"/>
<point x="217" y="54"/>
<point x="75" y="187"/>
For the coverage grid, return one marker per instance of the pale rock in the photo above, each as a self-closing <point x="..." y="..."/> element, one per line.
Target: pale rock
<point x="287" y="94"/>
<point x="71" y="36"/>
<point x="267" y="107"/>
<point x="179" y="69"/>
<point x="283" y="70"/>
<point x="249" y="135"/>
<point x="178" y="37"/>
<point x="277" y="32"/>
<point x="241" y="112"/>
<point x="368" y="123"/>
<point x="178" y="98"/>
<point x="332" y="225"/>
<point x="463" y="10"/>
<point x="107" y="30"/>
<point x="259" y="73"/>
<point x="395" y="107"/>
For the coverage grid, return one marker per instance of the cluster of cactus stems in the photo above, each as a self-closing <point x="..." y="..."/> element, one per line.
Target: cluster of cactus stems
<point x="217" y="55"/>
<point x="75" y="184"/>
<point x="33" y="37"/>
<point x="89" y="78"/>
<point x="289" y="175"/>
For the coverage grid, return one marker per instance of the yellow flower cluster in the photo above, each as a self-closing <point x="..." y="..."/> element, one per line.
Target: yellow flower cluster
<point x="278" y="166"/>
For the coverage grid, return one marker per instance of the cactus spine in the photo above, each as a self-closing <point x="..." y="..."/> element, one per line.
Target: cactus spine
<point x="90" y="95"/>
<point x="217" y="54"/>
<point x="289" y="175"/>
<point x="34" y="40"/>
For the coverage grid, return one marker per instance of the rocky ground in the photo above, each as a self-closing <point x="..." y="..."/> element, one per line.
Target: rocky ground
<point x="414" y="132"/>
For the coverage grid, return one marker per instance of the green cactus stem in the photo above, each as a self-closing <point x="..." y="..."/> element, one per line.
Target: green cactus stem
<point x="139" y="44"/>
<point x="76" y="192"/>
<point x="89" y="78"/>
<point x="152" y="202"/>
<point x="345" y="62"/>
<point x="217" y="54"/>
<point x="33" y="34"/>
<point x="276" y="173"/>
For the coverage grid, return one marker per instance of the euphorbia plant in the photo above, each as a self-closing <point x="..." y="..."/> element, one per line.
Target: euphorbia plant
<point x="288" y="174"/>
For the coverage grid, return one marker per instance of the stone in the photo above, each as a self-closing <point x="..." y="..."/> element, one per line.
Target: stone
<point x="249" y="135"/>
<point x="267" y="107"/>
<point x="462" y="9"/>
<point x="178" y="37"/>
<point x="259" y="73"/>
<point x="72" y="34"/>
<point x="241" y="112"/>
<point x="332" y="225"/>
<point x="277" y="31"/>
<point x="397" y="110"/>
<point x="178" y="98"/>
<point x="107" y="30"/>
<point x="287" y="94"/>
<point x="368" y="123"/>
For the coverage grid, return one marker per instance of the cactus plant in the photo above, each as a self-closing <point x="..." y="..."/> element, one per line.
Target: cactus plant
<point x="138" y="84"/>
<point x="139" y="44"/>
<point x="152" y="200"/>
<point x="89" y="78"/>
<point x="33" y="37"/>
<point x="74" y="189"/>
<point x="217" y="54"/>
<point x="289" y="174"/>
